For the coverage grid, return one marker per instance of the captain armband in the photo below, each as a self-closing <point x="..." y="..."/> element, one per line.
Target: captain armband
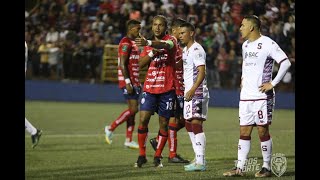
<point x="169" y="42"/>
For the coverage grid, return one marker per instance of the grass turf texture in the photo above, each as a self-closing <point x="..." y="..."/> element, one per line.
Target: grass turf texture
<point x="72" y="145"/>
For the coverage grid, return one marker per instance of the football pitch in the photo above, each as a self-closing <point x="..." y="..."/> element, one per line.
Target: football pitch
<point x="72" y="145"/>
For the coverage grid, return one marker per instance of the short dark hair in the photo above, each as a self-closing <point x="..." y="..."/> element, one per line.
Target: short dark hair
<point x="177" y="22"/>
<point x="188" y="25"/>
<point x="254" y="20"/>
<point x="131" y="23"/>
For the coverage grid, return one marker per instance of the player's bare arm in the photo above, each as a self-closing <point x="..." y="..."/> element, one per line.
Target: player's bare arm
<point x="202" y="72"/>
<point x="158" y="44"/>
<point x="145" y="60"/>
<point x="124" y="63"/>
<point x="284" y="66"/>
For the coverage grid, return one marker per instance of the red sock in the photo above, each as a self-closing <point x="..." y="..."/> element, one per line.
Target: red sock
<point x="172" y="140"/>
<point x="124" y="116"/>
<point x="129" y="133"/>
<point x="130" y="128"/>
<point x="142" y="138"/>
<point x="163" y="136"/>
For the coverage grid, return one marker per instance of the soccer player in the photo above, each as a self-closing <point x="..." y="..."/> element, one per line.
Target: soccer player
<point x="177" y="121"/>
<point x="35" y="133"/>
<point x="158" y="91"/>
<point x="257" y="94"/>
<point x="196" y="94"/>
<point x="128" y="76"/>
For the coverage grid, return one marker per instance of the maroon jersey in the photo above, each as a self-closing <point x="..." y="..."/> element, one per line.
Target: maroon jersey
<point x="161" y="71"/>
<point x="129" y="47"/>
<point x="178" y="81"/>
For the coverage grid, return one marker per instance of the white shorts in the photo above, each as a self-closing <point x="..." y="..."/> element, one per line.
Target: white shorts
<point x="195" y="109"/>
<point x="257" y="112"/>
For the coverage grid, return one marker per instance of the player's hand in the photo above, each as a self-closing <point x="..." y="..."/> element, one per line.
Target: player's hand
<point x="129" y="88"/>
<point x="189" y="95"/>
<point x="157" y="50"/>
<point x="141" y="41"/>
<point x="265" y="87"/>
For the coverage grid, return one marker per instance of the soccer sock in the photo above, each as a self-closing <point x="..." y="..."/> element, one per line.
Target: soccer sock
<point x="266" y="149"/>
<point x="200" y="143"/>
<point x="124" y="116"/>
<point x="172" y="140"/>
<point x="31" y="129"/>
<point x="243" y="150"/>
<point x="130" y="128"/>
<point x="163" y="136"/>
<point x="191" y="134"/>
<point x="142" y="138"/>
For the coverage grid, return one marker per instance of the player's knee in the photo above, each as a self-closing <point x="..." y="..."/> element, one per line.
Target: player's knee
<point x="134" y="110"/>
<point x="172" y="120"/>
<point x="245" y="130"/>
<point x="245" y="137"/>
<point x="263" y="131"/>
<point x="264" y="135"/>
<point x="143" y="122"/>
<point x="130" y="122"/>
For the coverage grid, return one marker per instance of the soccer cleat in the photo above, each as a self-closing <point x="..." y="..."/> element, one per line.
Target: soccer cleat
<point x="234" y="172"/>
<point x="194" y="161"/>
<point x="264" y="172"/>
<point x="191" y="164"/>
<point x="177" y="159"/>
<point x="154" y="143"/>
<point x="195" y="167"/>
<point x="157" y="162"/>
<point x="35" y="138"/>
<point x="141" y="160"/>
<point x="131" y="145"/>
<point x="109" y="135"/>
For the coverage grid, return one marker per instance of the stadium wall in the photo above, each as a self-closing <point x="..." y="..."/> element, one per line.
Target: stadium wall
<point x="85" y="92"/>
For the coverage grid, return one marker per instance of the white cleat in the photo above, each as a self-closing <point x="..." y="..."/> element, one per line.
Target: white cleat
<point x="109" y="135"/>
<point x="131" y="145"/>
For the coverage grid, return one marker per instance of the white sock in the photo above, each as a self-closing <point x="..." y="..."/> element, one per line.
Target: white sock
<point x="243" y="151"/>
<point x="31" y="129"/>
<point x="192" y="138"/>
<point x="200" y="145"/>
<point x="266" y="149"/>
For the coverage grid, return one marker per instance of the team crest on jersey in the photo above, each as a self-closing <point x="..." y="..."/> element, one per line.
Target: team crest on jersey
<point x="278" y="164"/>
<point x="124" y="48"/>
<point x="199" y="55"/>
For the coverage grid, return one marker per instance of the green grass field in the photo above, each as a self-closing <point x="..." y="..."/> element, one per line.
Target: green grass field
<point x="72" y="145"/>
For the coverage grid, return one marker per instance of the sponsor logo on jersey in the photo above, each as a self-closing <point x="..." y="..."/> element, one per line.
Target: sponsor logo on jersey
<point x="134" y="56"/>
<point x="124" y="48"/>
<point x="251" y="54"/>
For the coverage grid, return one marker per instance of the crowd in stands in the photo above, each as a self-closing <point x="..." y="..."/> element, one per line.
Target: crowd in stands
<point x="66" y="38"/>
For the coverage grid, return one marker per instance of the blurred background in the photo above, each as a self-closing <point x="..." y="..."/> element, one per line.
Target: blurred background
<point x="75" y="41"/>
